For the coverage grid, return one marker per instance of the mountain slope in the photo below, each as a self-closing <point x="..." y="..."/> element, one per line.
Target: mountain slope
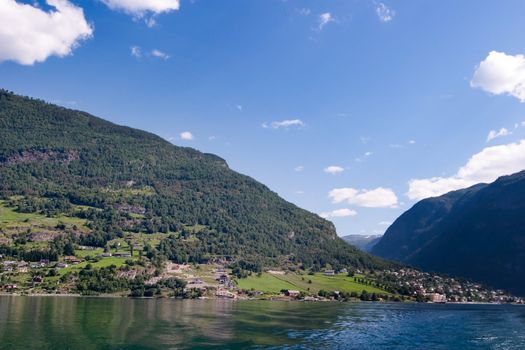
<point x="123" y="180"/>
<point x="477" y="233"/>
<point x="363" y="242"/>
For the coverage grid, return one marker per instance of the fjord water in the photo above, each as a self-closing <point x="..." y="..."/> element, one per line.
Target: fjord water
<point x="114" y="323"/>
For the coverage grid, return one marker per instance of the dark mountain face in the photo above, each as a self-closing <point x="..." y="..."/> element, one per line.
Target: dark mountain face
<point x="478" y="233"/>
<point x="132" y="181"/>
<point x="363" y="242"/>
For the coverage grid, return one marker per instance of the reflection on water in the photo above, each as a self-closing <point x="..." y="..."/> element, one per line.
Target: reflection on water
<point x="97" y="323"/>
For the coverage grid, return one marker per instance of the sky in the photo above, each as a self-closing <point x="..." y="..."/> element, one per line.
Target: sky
<point x="352" y="109"/>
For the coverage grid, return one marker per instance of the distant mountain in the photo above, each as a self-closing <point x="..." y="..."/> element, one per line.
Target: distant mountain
<point x="478" y="233"/>
<point x="58" y="161"/>
<point x="363" y="242"/>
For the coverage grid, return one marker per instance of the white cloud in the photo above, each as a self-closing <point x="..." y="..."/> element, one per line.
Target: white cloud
<point x="299" y="168"/>
<point x="333" y="169"/>
<point x="500" y="74"/>
<point x="150" y="22"/>
<point x="159" y="54"/>
<point x="384" y="223"/>
<point x="384" y="13"/>
<point x="287" y="123"/>
<point x="324" y="19"/>
<point x="411" y="142"/>
<point x="29" y="34"/>
<point x="485" y="166"/>
<point x="365" y="155"/>
<point x="305" y="11"/>
<point x="136" y="51"/>
<point x="497" y="133"/>
<point x="239" y="107"/>
<point x="377" y="198"/>
<point x="139" y="8"/>
<point x="186" y="135"/>
<point x="338" y="213"/>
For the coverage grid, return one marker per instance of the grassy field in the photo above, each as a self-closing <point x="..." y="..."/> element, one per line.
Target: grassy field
<point x="274" y="283"/>
<point x="10" y="218"/>
<point x="267" y="283"/>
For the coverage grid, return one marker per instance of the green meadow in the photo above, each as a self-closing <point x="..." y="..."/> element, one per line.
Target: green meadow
<point x="272" y="283"/>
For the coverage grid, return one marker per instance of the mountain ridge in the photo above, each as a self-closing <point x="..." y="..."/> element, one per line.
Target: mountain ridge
<point x="52" y="154"/>
<point x="475" y="232"/>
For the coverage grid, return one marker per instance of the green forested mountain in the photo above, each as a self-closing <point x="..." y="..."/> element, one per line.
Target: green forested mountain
<point x="478" y="233"/>
<point x="121" y="180"/>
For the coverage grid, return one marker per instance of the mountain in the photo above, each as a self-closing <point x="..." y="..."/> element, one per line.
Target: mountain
<point x="478" y="233"/>
<point x="61" y="162"/>
<point x="363" y="242"/>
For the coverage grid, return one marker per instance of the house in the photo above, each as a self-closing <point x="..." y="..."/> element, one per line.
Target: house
<point x="104" y="255"/>
<point x="8" y="265"/>
<point x="10" y="286"/>
<point x="122" y="255"/>
<point x="44" y="262"/>
<point x="61" y="265"/>
<point x="22" y="267"/>
<point x="437" y="298"/>
<point x="293" y="293"/>
<point x="344" y="270"/>
<point x="223" y="279"/>
<point x="37" y="280"/>
<point x="36" y="265"/>
<point x="329" y="273"/>
<point x="72" y="260"/>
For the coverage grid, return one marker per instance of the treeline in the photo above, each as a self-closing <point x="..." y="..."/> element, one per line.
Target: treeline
<point x="105" y="280"/>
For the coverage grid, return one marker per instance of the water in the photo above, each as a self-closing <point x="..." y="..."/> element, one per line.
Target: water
<point x="98" y="323"/>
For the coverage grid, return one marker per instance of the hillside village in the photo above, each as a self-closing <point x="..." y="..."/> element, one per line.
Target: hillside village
<point x="139" y="278"/>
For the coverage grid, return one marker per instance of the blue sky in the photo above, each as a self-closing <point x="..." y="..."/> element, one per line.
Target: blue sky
<point x="336" y="105"/>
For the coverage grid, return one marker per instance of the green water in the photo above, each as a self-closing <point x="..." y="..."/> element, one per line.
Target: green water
<point x="98" y="323"/>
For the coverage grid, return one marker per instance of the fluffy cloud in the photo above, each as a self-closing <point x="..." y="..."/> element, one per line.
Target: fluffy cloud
<point x="324" y="19"/>
<point x="500" y="74"/>
<point x="299" y="168"/>
<point x="485" y="166"/>
<point x="493" y="134"/>
<point x="376" y="198"/>
<point x="186" y="135"/>
<point x="29" y="34"/>
<point x="384" y="13"/>
<point x="159" y="54"/>
<point x="287" y="123"/>
<point x="140" y="7"/>
<point x="384" y="223"/>
<point x="338" y="213"/>
<point x="333" y="169"/>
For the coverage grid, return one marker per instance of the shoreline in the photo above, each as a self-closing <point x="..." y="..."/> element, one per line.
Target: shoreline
<point x="109" y="296"/>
